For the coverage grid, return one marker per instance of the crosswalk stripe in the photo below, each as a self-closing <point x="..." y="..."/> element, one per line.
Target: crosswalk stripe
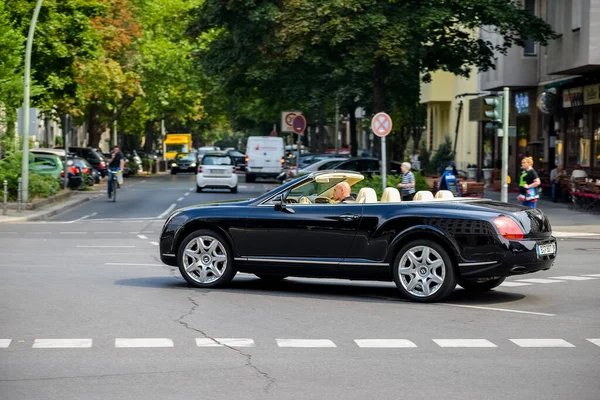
<point x="384" y="343"/>
<point x="4" y="343"/>
<point x="154" y="243"/>
<point x="595" y="275"/>
<point x="514" y="284"/>
<point x="538" y="280"/>
<point x="142" y="237"/>
<point x="595" y="341"/>
<point x="464" y="343"/>
<point x="143" y="342"/>
<point x="221" y="342"/>
<point x="541" y="343"/>
<point x="305" y="343"/>
<point x="573" y="278"/>
<point x="62" y="343"/>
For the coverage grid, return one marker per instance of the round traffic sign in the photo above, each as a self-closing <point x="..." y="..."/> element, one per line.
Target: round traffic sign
<point x="299" y="124"/>
<point x="381" y="124"/>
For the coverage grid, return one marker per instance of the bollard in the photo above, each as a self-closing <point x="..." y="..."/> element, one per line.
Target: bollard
<point x="5" y="197"/>
<point x="19" y="195"/>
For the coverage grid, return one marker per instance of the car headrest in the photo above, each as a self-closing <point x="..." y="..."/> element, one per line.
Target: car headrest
<point x="423" y="195"/>
<point x="366" y="195"/>
<point x="444" y="194"/>
<point x="391" y="195"/>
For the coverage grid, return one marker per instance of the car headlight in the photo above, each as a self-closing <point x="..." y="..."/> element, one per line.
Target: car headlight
<point x="173" y="164"/>
<point x="193" y="164"/>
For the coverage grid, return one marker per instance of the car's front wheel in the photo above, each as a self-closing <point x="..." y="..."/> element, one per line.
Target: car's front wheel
<point x="204" y="259"/>
<point x="480" y="285"/>
<point x="234" y="190"/>
<point x="423" y="271"/>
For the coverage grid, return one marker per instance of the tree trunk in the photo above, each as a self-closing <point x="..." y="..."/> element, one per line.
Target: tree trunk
<point x="353" y="134"/>
<point x="148" y="136"/>
<point x="47" y="137"/>
<point x="94" y="128"/>
<point x="321" y="144"/>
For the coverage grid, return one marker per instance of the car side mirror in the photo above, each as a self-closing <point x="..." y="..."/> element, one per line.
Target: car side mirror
<point x="279" y="205"/>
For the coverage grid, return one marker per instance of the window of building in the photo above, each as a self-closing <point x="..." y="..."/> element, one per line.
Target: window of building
<point x="596" y="130"/>
<point x="555" y="15"/>
<point x="529" y="49"/>
<point x="576" y="15"/>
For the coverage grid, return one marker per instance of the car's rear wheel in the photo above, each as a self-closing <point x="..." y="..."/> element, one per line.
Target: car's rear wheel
<point x="173" y="172"/>
<point x="480" y="285"/>
<point x="250" y="178"/>
<point x="271" y="277"/>
<point x="234" y="190"/>
<point x="204" y="260"/>
<point x="198" y="189"/>
<point x="424" y="272"/>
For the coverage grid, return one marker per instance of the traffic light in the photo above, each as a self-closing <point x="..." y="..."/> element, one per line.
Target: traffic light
<point x="495" y="110"/>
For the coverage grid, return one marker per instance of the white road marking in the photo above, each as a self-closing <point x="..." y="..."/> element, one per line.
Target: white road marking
<point x="573" y="278"/>
<point x="142" y="237"/>
<point x="573" y="234"/>
<point x="61" y="343"/>
<point x="143" y="342"/>
<point x="80" y="219"/>
<point x="514" y="284"/>
<point x="104" y="247"/>
<point x="41" y="233"/>
<point x="541" y="343"/>
<point x="538" y="280"/>
<point x="9" y="232"/>
<point x="305" y="343"/>
<point x="464" y="343"/>
<point x="594" y="275"/>
<point x="4" y="343"/>
<point x="221" y="342"/>
<point x="110" y="233"/>
<point x="168" y="211"/>
<point x="497" y="309"/>
<point x="135" y="265"/>
<point x="73" y="233"/>
<point x="179" y="199"/>
<point x="187" y="194"/>
<point x="384" y="343"/>
<point x="154" y="243"/>
<point x="191" y="189"/>
<point x="595" y="341"/>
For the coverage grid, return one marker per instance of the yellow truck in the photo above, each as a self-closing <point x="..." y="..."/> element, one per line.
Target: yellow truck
<point x="177" y="143"/>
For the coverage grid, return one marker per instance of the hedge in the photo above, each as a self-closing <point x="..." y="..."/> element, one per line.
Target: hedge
<point x="376" y="182"/>
<point x="40" y="186"/>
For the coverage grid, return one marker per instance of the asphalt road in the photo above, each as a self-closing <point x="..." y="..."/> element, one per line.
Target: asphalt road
<point x="88" y="312"/>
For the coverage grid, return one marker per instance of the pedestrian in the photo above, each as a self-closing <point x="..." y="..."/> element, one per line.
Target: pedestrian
<point x="414" y="160"/>
<point x="555" y="176"/>
<point x="578" y="173"/>
<point x="528" y="192"/>
<point x="341" y="193"/>
<point x="408" y="182"/>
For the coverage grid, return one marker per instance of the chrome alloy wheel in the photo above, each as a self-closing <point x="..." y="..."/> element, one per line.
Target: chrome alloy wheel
<point x="205" y="259"/>
<point x="421" y="271"/>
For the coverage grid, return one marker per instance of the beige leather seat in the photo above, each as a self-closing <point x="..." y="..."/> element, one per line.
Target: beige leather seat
<point x="423" y="195"/>
<point x="366" y="195"/>
<point x="444" y="194"/>
<point x="391" y="195"/>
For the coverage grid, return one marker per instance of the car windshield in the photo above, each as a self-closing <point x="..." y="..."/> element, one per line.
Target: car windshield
<point x="314" y="188"/>
<point x="185" y="156"/>
<point x="235" y="153"/>
<point x="216" y="160"/>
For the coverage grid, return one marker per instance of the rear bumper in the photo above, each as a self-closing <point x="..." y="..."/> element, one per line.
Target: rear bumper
<point x="263" y="172"/>
<point x="216" y="182"/>
<point x="515" y="258"/>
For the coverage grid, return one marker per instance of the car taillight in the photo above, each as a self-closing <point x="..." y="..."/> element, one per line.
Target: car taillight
<point x="62" y="174"/>
<point x="102" y="165"/>
<point x="233" y="170"/>
<point x="74" y="170"/>
<point x="86" y="171"/>
<point x="200" y="169"/>
<point x="246" y="159"/>
<point x="282" y="161"/>
<point x="508" y="228"/>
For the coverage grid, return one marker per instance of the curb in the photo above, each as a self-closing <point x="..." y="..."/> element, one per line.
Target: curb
<point x="41" y="215"/>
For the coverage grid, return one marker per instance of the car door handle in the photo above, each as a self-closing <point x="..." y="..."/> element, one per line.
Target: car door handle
<point x="348" y="217"/>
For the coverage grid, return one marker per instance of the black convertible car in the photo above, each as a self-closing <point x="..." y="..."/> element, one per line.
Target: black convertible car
<point x="426" y="246"/>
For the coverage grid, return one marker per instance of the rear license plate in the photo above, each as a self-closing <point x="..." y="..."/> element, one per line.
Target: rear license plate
<point x="546" y="249"/>
<point x="217" y="171"/>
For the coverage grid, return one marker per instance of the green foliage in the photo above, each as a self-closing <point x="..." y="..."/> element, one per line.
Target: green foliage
<point x="147" y="164"/>
<point x="376" y="182"/>
<point x="443" y="155"/>
<point x="42" y="186"/>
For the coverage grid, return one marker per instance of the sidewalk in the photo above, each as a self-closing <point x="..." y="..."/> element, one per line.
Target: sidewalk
<point x="565" y="222"/>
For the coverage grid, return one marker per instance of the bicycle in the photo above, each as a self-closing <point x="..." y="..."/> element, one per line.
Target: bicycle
<point x="113" y="184"/>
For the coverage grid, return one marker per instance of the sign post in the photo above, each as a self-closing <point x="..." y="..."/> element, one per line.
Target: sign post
<point x="382" y="126"/>
<point x="298" y="125"/>
<point x="504" y="193"/>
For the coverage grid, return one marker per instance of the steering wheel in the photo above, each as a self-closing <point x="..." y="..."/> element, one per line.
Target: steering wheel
<point x="322" y="200"/>
<point x="291" y="200"/>
<point x="304" y="200"/>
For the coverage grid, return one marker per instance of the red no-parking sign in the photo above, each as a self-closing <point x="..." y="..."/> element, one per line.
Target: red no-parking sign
<point x="381" y="124"/>
<point x="299" y="124"/>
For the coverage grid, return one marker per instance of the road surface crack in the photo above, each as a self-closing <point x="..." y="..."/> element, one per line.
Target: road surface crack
<point x="249" y="363"/>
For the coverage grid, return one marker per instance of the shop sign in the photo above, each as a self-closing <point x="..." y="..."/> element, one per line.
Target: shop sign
<point x="591" y="94"/>
<point x="572" y="97"/>
<point x="522" y="103"/>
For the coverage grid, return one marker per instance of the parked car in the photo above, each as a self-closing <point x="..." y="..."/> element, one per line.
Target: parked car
<point x="364" y="165"/>
<point x="239" y="159"/>
<point x="425" y="246"/>
<point x="183" y="162"/>
<point x="86" y="168"/>
<point x="308" y="159"/>
<point x="51" y="162"/>
<point x="94" y="157"/>
<point x="203" y="150"/>
<point x="321" y="165"/>
<point x="217" y="171"/>
<point x="133" y="156"/>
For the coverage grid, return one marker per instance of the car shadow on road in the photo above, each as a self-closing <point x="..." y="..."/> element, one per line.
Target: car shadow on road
<point x="358" y="291"/>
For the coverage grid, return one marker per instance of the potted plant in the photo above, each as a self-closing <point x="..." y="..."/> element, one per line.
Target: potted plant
<point x="472" y="172"/>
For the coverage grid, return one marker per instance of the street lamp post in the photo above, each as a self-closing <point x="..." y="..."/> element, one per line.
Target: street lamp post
<point x="25" y="165"/>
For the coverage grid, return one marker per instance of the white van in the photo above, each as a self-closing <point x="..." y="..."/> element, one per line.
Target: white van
<point x="265" y="157"/>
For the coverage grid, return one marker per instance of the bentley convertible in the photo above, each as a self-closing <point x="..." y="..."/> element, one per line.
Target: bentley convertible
<point x="426" y="246"/>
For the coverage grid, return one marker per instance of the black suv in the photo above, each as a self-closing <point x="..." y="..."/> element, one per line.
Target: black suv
<point x="364" y="165"/>
<point x="93" y="156"/>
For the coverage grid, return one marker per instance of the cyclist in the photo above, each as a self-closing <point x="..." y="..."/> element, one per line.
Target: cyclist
<point x="115" y="164"/>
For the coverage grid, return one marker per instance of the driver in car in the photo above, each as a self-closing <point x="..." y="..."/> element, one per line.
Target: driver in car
<point x="341" y="193"/>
